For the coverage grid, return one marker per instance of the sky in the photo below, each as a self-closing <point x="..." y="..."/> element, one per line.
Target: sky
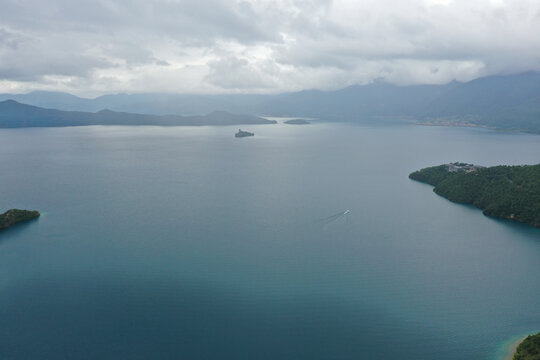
<point x="99" y="47"/>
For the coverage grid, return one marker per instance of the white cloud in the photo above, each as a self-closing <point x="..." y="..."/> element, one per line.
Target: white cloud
<point x="101" y="46"/>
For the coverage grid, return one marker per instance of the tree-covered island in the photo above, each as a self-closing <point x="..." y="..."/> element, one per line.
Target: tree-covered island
<point x="528" y="349"/>
<point x="15" y="216"/>
<point x="508" y="192"/>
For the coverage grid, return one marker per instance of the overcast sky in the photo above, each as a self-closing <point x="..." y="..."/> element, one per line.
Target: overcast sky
<point x="92" y="47"/>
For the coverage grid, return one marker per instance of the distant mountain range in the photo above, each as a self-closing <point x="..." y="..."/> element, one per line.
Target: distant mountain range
<point x="15" y="115"/>
<point x="510" y="102"/>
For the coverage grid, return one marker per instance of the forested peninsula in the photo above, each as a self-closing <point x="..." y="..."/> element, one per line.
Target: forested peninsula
<point x="15" y="216"/>
<point x="508" y="192"/>
<point x="529" y="349"/>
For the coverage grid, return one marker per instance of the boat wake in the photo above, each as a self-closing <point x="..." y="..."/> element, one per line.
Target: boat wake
<point x="341" y="218"/>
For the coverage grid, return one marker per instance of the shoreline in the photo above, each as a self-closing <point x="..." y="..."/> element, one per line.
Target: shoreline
<point x="479" y="126"/>
<point x="513" y="347"/>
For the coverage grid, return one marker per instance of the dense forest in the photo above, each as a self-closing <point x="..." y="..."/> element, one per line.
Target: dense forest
<point x="14" y="216"/>
<point x="509" y="192"/>
<point x="529" y="349"/>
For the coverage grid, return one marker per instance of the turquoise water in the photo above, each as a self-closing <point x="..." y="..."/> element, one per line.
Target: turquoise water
<point x="160" y="243"/>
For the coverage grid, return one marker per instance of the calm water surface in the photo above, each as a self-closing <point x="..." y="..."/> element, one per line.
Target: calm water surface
<point x="186" y="243"/>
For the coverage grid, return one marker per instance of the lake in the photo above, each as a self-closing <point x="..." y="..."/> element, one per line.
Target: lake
<point x="187" y="243"/>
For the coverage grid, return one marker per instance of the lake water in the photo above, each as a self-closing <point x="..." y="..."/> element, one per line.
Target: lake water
<point x="186" y="243"/>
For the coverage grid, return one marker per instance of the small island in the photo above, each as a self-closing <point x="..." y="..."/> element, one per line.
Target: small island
<point x="15" y="216"/>
<point x="528" y="349"/>
<point x="507" y="192"/>
<point x="241" y="133"/>
<point x="297" y="122"/>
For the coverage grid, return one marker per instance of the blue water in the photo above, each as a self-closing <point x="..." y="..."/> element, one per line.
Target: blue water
<point x="186" y="243"/>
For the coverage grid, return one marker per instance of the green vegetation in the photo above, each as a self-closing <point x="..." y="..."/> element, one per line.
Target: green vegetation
<point x="529" y="349"/>
<point x="509" y="192"/>
<point x="14" y="216"/>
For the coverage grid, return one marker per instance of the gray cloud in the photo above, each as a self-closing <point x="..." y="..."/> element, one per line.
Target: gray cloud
<point x="105" y="46"/>
<point x="234" y="73"/>
<point x="27" y="58"/>
<point x="9" y="39"/>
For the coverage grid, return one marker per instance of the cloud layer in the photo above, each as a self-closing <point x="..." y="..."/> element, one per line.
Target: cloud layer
<point x="262" y="46"/>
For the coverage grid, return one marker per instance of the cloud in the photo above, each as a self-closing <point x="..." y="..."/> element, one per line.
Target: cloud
<point x="234" y="73"/>
<point x="26" y="58"/>
<point x="100" y="46"/>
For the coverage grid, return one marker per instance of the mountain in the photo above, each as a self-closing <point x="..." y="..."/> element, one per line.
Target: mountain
<point x="15" y="115"/>
<point x="356" y="102"/>
<point x="504" y="102"/>
<point x="377" y="99"/>
<point x="510" y="102"/>
<point x="53" y="100"/>
<point x="149" y="104"/>
<point x="488" y="95"/>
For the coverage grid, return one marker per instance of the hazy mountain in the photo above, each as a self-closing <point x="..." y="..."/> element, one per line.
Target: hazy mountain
<point x="152" y="104"/>
<point x="14" y="115"/>
<point x="508" y="102"/>
<point x="378" y="99"/>
<point x="504" y="102"/>
<point x="355" y="102"/>
<point x="49" y="99"/>
<point x="487" y="95"/>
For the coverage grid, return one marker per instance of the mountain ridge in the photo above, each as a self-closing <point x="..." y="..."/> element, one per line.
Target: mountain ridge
<point x="507" y="102"/>
<point x="16" y="115"/>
